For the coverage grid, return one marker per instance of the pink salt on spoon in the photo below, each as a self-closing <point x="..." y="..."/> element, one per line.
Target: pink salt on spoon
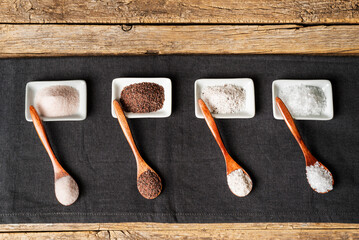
<point x="319" y="177"/>
<point x="66" y="189"/>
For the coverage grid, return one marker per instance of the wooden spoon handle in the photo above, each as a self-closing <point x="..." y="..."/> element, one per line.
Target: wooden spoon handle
<point x="42" y="135"/>
<point x="291" y="125"/>
<point x="212" y="126"/>
<point x="127" y="132"/>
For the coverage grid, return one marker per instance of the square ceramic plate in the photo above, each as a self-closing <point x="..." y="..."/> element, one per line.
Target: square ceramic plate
<point x="245" y="83"/>
<point x="325" y="85"/>
<point x="119" y="84"/>
<point x="33" y="87"/>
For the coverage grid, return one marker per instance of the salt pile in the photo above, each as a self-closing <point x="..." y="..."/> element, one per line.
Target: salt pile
<point x="224" y="99"/>
<point x="303" y="100"/>
<point x="319" y="178"/>
<point x="239" y="183"/>
<point x="66" y="190"/>
<point x="57" y="101"/>
<point x="142" y="97"/>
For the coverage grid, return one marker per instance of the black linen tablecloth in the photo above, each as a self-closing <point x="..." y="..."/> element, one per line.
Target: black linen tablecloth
<point x="180" y="148"/>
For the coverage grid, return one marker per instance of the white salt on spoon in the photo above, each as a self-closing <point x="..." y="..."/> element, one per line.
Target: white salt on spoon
<point x="319" y="177"/>
<point x="239" y="183"/>
<point x="66" y="189"/>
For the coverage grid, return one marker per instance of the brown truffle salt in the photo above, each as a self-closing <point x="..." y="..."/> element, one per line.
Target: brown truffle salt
<point x="149" y="184"/>
<point x="142" y="97"/>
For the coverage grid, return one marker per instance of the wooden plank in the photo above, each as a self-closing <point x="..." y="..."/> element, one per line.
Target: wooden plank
<point x="238" y="234"/>
<point x="148" y="226"/>
<point x="49" y="227"/>
<point x="225" y="226"/>
<point x="83" y="40"/>
<point x="91" y="235"/>
<point x="189" y="234"/>
<point x="180" y="11"/>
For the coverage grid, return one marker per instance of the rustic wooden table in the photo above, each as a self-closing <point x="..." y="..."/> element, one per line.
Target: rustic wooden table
<point x="81" y="28"/>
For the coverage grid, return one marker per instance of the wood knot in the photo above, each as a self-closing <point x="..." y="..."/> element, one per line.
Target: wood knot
<point x="126" y="27"/>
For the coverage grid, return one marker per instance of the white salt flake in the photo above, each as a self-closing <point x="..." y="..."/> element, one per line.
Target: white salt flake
<point x="303" y="100"/>
<point x="66" y="190"/>
<point x="319" y="178"/>
<point x="239" y="183"/>
<point x="224" y="99"/>
<point x="57" y="101"/>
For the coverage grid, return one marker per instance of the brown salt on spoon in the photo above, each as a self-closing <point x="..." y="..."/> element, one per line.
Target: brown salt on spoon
<point x="310" y="160"/>
<point x="66" y="189"/>
<point x="238" y="180"/>
<point x="148" y="182"/>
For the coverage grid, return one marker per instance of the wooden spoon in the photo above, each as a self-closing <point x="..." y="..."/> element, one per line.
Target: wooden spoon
<point x="310" y="160"/>
<point x="66" y="189"/>
<point x="153" y="189"/>
<point x="231" y="165"/>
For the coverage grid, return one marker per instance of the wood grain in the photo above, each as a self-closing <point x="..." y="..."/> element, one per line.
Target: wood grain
<point x="149" y="226"/>
<point x="237" y="234"/>
<point x="91" y="235"/>
<point x="208" y="231"/>
<point x="182" y="11"/>
<point x="84" y="40"/>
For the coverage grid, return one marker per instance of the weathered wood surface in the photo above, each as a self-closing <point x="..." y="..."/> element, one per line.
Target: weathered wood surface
<point x="195" y="234"/>
<point x="81" y="40"/>
<point x="148" y="226"/>
<point x="64" y="35"/>
<point x="91" y="235"/>
<point x="183" y="231"/>
<point x="180" y="11"/>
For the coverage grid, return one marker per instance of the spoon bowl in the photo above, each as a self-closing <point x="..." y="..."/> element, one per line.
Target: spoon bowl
<point x="149" y="184"/>
<point x="310" y="160"/>
<point x="234" y="170"/>
<point x="66" y="189"/>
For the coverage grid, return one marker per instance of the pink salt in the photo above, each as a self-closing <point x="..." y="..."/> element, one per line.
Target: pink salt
<point x="57" y="101"/>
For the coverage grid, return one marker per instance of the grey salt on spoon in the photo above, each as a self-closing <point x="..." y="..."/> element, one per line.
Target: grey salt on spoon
<point x="66" y="189"/>
<point x="149" y="184"/>
<point x="317" y="173"/>
<point x="238" y="180"/>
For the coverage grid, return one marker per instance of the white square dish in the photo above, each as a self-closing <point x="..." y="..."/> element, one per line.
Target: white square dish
<point x="33" y="87"/>
<point x="245" y="83"/>
<point x="325" y="85"/>
<point x="118" y="84"/>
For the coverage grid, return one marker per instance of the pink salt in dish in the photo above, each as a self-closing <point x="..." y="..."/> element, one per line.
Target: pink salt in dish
<point x="57" y="101"/>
